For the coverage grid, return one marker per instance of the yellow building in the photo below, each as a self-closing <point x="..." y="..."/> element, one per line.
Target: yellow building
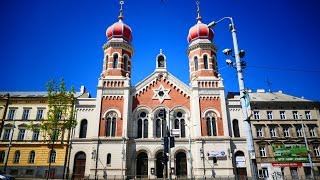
<point x="29" y="153"/>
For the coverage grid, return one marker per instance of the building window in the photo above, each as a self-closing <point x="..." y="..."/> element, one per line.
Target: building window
<point x="160" y="61"/>
<point x="25" y="114"/>
<point x="263" y="173"/>
<point x="115" y="61"/>
<point x="32" y="157"/>
<point x="312" y="131"/>
<point x="316" y="150"/>
<point x="256" y="114"/>
<point x="142" y="125"/>
<point x="308" y="115"/>
<point x="263" y="152"/>
<point x="125" y="63"/>
<point x="273" y="131"/>
<point x="282" y="115"/>
<point x="299" y="132"/>
<point x="295" y="114"/>
<point x="195" y="60"/>
<point x="286" y="131"/>
<point x="52" y="156"/>
<point x="21" y="134"/>
<point x="211" y="124"/>
<point x="107" y="62"/>
<point x="39" y="113"/>
<point x="83" y="129"/>
<point x="179" y="123"/>
<point x="269" y="115"/>
<point x="11" y="114"/>
<point x="235" y="126"/>
<point x="16" y="157"/>
<point x="205" y="61"/>
<point x="35" y="135"/>
<point x="109" y="159"/>
<point x="6" y="134"/>
<point x="259" y="131"/>
<point x="111" y="124"/>
<point x="160" y="124"/>
<point x="2" y="156"/>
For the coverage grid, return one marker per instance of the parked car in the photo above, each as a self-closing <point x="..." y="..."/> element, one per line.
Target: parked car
<point x="5" y="176"/>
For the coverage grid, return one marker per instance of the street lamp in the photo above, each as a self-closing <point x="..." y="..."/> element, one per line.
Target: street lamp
<point x="307" y="146"/>
<point x="239" y="65"/>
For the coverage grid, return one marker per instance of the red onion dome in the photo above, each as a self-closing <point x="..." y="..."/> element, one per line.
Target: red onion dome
<point x="119" y="30"/>
<point x="200" y="31"/>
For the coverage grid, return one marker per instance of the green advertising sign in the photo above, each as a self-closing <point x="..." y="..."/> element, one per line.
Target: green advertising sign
<point x="290" y="153"/>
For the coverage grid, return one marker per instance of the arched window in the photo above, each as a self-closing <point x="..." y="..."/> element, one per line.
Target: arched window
<point x="142" y="125"/>
<point x="16" y="157"/>
<point x="179" y="123"/>
<point x="111" y="124"/>
<point x="160" y="125"/>
<point x="160" y="61"/>
<point x="109" y="159"/>
<point x="125" y="63"/>
<point x="195" y="60"/>
<point x="2" y="155"/>
<point x="235" y="126"/>
<point x="205" y="61"/>
<point x="211" y="124"/>
<point x="115" y="61"/>
<point x="83" y="128"/>
<point x="52" y="156"/>
<point x="107" y="61"/>
<point x="32" y="157"/>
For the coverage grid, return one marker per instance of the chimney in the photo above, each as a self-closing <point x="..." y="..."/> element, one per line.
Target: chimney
<point x="82" y="89"/>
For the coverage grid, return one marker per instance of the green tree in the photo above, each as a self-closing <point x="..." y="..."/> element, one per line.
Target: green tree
<point x="60" y="114"/>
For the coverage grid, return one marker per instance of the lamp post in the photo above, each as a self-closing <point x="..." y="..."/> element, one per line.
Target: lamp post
<point x="190" y="154"/>
<point x="238" y="66"/>
<point x="307" y="146"/>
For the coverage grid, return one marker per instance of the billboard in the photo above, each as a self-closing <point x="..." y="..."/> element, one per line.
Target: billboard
<point x="290" y="152"/>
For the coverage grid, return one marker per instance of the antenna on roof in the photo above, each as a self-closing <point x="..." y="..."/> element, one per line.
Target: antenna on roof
<point x="269" y="84"/>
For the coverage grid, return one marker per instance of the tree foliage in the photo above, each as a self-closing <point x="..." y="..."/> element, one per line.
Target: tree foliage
<point x="60" y="114"/>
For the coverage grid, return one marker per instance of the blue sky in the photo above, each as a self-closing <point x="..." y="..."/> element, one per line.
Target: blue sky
<point x="41" y="40"/>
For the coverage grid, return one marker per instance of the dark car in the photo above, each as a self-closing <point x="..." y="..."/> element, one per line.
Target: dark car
<point x="6" y="176"/>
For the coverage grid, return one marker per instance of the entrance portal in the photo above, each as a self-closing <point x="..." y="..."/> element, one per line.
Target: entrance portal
<point x="79" y="165"/>
<point x="142" y="165"/>
<point x="181" y="164"/>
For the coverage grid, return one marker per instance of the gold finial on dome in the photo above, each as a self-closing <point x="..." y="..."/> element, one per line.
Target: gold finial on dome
<point x="198" y="11"/>
<point x="120" y="17"/>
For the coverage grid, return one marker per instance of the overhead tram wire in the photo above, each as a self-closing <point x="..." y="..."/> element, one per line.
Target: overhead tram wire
<point x="285" y="69"/>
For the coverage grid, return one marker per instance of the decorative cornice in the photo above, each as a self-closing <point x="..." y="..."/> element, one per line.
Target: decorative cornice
<point x="208" y="46"/>
<point x="120" y="45"/>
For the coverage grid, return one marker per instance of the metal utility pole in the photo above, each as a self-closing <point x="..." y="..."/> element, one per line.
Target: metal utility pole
<point x="238" y="66"/>
<point x="9" y="147"/>
<point x="169" y="145"/>
<point x="307" y="146"/>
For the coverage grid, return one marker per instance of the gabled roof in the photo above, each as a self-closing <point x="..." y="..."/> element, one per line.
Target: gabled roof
<point x="32" y="94"/>
<point x="274" y="96"/>
<point x="169" y="78"/>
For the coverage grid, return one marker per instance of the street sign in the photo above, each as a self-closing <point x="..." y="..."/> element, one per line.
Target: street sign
<point x="175" y="132"/>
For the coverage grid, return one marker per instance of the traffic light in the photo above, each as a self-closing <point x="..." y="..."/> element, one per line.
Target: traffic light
<point x="171" y="142"/>
<point x="165" y="143"/>
<point x="164" y="158"/>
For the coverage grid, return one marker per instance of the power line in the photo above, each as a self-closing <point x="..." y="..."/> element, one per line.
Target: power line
<point x="285" y="69"/>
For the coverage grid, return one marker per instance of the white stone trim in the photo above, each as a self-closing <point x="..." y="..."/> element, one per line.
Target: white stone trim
<point x="111" y="109"/>
<point x="208" y="110"/>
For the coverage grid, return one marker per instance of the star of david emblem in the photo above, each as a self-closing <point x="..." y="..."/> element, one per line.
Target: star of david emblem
<point x="161" y="94"/>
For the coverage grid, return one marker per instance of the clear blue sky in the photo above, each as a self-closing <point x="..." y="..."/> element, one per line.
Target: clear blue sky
<point x="45" y="39"/>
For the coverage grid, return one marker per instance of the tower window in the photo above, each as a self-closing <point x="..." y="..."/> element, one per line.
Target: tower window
<point x="115" y="61"/>
<point x="110" y="128"/>
<point x="125" y="63"/>
<point x="83" y="128"/>
<point x="160" y="61"/>
<point x="195" y="60"/>
<point x="211" y="124"/>
<point x="205" y="61"/>
<point x="109" y="159"/>
<point x="107" y="62"/>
